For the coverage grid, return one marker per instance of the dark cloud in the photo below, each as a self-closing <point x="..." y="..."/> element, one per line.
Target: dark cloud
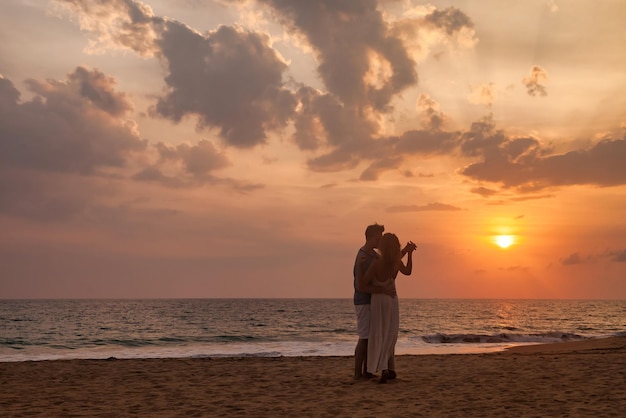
<point x="531" y="170"/>
<point x="346" y="36"/>
<point x="378" y="166"/>
<point x="356" y="141"/>
<point x="229" y="78"/>
<point x="232" y="80"/>
<point x="451" y="20"/>
<point x="426" y="142"/>
<point x="524" y="163"/>
<point x="97" y="88"/>
<point x="198" y="159"/>
<point x="482" y="139"/>
<point x="75" y="125"/>
<point x="620" y="257"/>
<point x="191" y="165"/>
<point x="436" y="206"/>
<point x="342" y="129"/>
<point x="433" y="117"/>
<point x="436" y="32"/>
<point x="155" y="174"/>
<point x="8" y="93"/>
<point x="533" y="82"/>
<point x="337" y="125"/>
<point x="309" y="129"/>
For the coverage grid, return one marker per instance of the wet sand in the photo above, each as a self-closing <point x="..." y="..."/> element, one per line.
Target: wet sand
<point x="578" y="379"/>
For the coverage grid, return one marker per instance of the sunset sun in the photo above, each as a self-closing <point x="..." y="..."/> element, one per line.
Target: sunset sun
<point x="504" y="241"/>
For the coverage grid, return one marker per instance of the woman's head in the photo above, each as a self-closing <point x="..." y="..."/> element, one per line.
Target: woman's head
<point x="390" y="248"/>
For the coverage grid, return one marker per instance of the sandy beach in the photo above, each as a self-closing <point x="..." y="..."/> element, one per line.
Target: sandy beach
<point x="578" y="379"/>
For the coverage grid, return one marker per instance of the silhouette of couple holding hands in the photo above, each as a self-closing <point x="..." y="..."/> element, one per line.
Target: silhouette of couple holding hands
<point x="376" y="303"/>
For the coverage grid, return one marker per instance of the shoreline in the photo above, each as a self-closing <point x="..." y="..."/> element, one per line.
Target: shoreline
<point x="581" y="378"/>
<point x="274" y="350"/>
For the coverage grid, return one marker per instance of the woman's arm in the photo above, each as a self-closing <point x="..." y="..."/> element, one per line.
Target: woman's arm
<point x="406" y="270"/>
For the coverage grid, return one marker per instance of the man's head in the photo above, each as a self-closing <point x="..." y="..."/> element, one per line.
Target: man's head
<point x="373" y="233"/>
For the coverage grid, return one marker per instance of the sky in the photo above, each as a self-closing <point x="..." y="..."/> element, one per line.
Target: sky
<point x="239" y="148"/>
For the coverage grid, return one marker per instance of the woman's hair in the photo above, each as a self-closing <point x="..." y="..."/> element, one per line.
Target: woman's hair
<point x="390" y="250"/>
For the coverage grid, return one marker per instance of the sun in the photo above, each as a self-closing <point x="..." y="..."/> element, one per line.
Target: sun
<point x="504" y="241"/>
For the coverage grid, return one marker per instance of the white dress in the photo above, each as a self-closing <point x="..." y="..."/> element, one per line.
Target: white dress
<point x="384" y="326"/>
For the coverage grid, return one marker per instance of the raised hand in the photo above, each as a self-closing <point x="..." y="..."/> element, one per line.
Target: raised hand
<point x="409" y="247"/>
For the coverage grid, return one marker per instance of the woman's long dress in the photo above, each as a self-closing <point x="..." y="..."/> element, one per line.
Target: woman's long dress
<point x="384" y="326"/>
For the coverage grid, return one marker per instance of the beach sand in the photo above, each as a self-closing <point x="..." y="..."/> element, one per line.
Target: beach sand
<point x="586" y="379"/>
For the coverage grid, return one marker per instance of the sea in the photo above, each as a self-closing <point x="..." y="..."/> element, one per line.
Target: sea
<point x="35" y="330"/>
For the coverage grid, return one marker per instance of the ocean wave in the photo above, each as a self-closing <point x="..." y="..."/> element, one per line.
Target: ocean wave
<point x="501" y="338"/>
<point x="241" y="354"/>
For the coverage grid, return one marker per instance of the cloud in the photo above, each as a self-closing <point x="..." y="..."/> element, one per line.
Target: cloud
<point x="436" y="206"/>
<point x="351" y="41"/>
<point x="426" y="142"/>
<point x="620" y="257"/>
<point x="187" y="165"/>
<point x="364" y="62"/>
<point x="429" y="31"/>
<point x="378" y="166"/>
<point x="451" y="20"/>
<point x="600" y="165"/>
<point x="76" y="125"/>
<point x="191" y="161"/>
<point x="533" y="82"/>
<point x="79" y="126"/>
<point x="515" y="269"/>
<point x="232" y="79"/>
<point x="530" y="197"/>
<point x="572" y="259"/>
<point x="199" y="159"/>
<point x="229" y="78"/>
<point x="483" y="94"/>
<point x="347" y="133"/>
<point x="116" y="24"/>
<point x="433" y="117"/>
<point x="523" y="163"/>
<point x="483" y="191"/>
<point x="72" y="126"/>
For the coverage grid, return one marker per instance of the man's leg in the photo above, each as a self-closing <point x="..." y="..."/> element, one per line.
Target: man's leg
<point x="360" y="358"/>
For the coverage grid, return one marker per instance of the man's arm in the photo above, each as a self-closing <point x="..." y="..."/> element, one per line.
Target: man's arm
<point x="364" y="282"/>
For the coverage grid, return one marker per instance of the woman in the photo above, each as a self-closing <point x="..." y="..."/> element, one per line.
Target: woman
<point x="385" y="312"/>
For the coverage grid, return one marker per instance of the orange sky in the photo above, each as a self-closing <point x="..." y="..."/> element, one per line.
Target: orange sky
<point x="240" y="148"/>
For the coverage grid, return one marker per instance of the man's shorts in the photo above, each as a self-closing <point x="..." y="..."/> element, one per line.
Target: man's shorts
<point x="363" y="321"/>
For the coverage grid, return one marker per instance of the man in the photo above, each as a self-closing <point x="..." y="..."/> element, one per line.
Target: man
<point x="362" y="298"/>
